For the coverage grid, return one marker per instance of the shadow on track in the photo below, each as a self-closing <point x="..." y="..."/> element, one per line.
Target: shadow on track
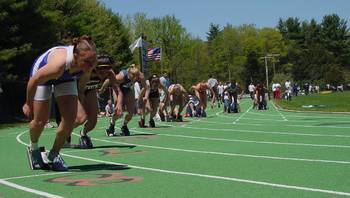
<point x="97" y="167"/>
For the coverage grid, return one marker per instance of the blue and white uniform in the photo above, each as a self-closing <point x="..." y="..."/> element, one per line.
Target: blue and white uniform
<point x="166" y="83"/>
<point x="127" y="85"/>
<point x="64" y="85"/>
<point x="194" y="100"/>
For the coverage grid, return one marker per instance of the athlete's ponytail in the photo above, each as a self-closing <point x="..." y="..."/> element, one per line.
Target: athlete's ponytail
<point x="83" y="43"/>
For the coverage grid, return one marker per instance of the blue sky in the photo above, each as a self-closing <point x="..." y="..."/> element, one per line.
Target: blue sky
<point x="196" y="15"/>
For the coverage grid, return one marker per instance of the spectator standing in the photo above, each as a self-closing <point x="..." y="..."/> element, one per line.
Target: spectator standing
<point x="109" y="108"/>
<point x="251" y="89"/>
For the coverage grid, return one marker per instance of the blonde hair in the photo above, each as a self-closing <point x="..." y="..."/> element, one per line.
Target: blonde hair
<point x="83" y="43"/>
<point x="134" y="72"/>
<point x="133" y="69"/>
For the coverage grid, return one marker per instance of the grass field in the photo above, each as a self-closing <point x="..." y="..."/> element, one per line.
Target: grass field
<point x="328" y="102"/>
<point x="254" y="153"/>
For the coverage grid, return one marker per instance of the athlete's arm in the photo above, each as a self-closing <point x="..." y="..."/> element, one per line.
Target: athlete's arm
<point x="52" y="70"/>
<point x="165" y="91"/>
<point x="211" y="91"/>
<point x="104" y="86"/>
<point x="119" y="102"/>
<point x="147" y="89"/>
<point x="83" y="79"/>
<point x="145" y="86"/>
<point x="119" y="77"/>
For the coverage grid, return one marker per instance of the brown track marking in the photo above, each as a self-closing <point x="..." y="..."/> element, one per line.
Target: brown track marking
<point x="117" y="177"/>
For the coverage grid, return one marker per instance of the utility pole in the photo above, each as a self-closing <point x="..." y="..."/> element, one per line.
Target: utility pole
<point x="143" y="55"/>
<point x="269" y="56"/>
<point x="266" y="70"/>
<point x="229" y="75"/>
<point x="274" y="61"/>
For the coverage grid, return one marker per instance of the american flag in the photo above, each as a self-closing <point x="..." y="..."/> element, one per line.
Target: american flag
<point x="154" y="53"/>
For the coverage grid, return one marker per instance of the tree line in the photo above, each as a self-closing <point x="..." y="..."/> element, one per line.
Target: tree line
<point x="296" y="50"/>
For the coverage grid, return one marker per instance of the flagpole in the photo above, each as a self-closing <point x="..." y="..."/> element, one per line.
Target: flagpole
<point x="140" y="55"/>
<point x="141" y="45"/>
<point x="160" y="61"/>
<point x="229" y="75"/>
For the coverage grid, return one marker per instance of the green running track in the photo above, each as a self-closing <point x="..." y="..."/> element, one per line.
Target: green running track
<point x="254" y="153"/>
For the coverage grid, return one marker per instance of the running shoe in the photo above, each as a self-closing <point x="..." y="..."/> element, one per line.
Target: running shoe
<point x="125" y="130"/>
<point x="85" y="142"/>
<point x="109" y="133"/>
<point x="57" y="162"/>
<point x="152" y="124"/>
<point x="35" y="159"/>
<point x="142" y="123"/>
<point x="168" y="118"/>
<point x="162" y="117"/>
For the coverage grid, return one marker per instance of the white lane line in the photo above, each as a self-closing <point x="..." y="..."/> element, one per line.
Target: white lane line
<point x="245" y="155"/>
<point x="229" y="123"/>
<point x="290" y="115"/>
<point x="307" y="121"/>
<point x="13" y="185"/>
<point x="212" y="176"/>
<point x="274" y="120"/>
<point x="263" y="132"/>
<point x="30" y="190"/>
<point x="294" y="125"/>
<point x="284" y="118"/>
<point x="324" y="116"/>
<point x="272" y="132"/>
<point x="38" y="175"/>
<point x="332" y="118"/>
<point x="234" y="140"/>
<point x="227" y="116"/>
<point x="264" y="114"/>
<point x="266" y="142"/>
<point x="333" y="192"/>
<point x="291" y="121"/>
<point x="323" y="126"/>
<point x="218" y="153"/>
<point x="314" y="112"/>
<point x="234" y="122"/>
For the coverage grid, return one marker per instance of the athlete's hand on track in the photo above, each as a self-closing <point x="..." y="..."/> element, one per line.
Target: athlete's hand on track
<point x="118" y="109"/>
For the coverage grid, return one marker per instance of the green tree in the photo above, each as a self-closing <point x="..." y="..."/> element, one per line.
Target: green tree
<point x="335" y="75"/>
<point x="335" y="38"/>
<point x="214" y="30"/>
<point x="21" y="40"/>
<point x="165" y="32"/>
<point x="77" y="17"/>
<point x="254" y="71"/>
